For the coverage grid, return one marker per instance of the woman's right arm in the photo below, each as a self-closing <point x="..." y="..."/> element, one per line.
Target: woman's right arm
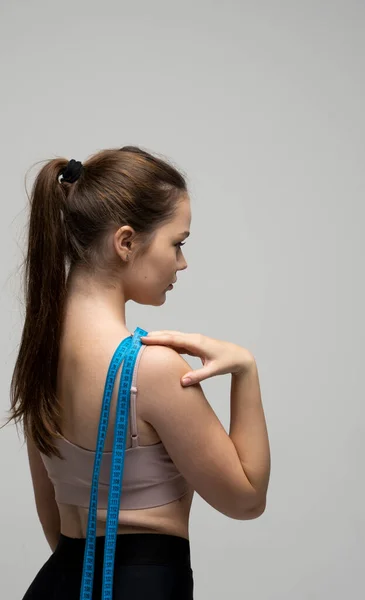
<point x="223" y="469"/>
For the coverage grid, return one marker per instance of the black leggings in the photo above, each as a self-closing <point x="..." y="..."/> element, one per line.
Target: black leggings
<point x="149" y="566"/>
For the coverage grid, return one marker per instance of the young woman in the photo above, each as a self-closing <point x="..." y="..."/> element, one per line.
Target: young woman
<point x="100" y="234"/>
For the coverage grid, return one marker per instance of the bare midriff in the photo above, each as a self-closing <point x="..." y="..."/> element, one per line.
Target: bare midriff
<point x="170" y="519"/>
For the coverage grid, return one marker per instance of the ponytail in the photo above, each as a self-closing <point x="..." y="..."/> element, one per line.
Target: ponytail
<point x="33" y="385"/>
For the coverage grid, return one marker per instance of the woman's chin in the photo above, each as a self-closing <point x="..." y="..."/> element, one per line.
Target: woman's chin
<point x="155" y="301"/>
<point x="162" y="299"/>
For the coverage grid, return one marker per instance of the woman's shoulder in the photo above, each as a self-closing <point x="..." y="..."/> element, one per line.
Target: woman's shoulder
<point x="159" y="362"/>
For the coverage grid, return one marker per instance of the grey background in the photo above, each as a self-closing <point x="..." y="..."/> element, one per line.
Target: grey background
<point x="262" y="105"/>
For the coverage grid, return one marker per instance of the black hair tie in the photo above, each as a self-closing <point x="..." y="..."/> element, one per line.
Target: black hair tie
<point x="71" y="172"/>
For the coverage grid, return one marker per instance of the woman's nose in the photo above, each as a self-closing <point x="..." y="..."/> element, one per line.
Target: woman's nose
<point x="183" y="266"/>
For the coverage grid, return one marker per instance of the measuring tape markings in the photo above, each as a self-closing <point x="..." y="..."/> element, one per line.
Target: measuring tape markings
<point x="130" y="347"/>
<point x="117" y="469"/>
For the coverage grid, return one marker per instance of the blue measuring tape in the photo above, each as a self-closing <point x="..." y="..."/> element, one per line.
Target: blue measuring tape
<point x="127" y="351"/>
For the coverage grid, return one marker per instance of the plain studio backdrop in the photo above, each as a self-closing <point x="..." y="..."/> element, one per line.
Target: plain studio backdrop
<point x="261" y="104"/>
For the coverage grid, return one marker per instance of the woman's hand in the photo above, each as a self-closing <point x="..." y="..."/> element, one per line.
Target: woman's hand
<point x="218" y="357"/>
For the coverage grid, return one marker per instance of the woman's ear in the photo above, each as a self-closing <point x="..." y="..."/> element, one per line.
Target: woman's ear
<point x="123" y="238"/>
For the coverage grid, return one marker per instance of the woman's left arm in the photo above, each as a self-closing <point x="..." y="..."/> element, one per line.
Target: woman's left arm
<point x="44" y="495"/>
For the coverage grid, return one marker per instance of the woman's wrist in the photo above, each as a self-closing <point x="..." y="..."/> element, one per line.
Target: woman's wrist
<point x="246" y="361"/>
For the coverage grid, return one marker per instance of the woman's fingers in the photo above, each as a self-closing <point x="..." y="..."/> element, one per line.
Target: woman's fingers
<point x="162" y="332"/>
<point x="196" y="376"/>
<point x="190" y="342"/>
<point x="218" y="357"/>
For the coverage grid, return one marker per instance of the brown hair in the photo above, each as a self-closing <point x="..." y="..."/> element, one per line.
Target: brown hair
<point x="68" y="226"/>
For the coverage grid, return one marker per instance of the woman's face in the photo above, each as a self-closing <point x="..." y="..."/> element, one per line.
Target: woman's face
<point x="146" y="280"/>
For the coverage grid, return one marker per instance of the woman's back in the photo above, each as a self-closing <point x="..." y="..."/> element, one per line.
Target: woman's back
<point x="89" y="339"/>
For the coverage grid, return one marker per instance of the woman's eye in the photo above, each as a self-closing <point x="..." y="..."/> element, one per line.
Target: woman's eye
<point x="180" y="244"/>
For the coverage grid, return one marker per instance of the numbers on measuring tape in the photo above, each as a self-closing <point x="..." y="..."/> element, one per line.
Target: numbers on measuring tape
<point x="126" y="353"/>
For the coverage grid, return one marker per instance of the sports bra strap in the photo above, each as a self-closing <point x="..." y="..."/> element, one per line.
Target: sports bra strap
<point x="133" y="413"/>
